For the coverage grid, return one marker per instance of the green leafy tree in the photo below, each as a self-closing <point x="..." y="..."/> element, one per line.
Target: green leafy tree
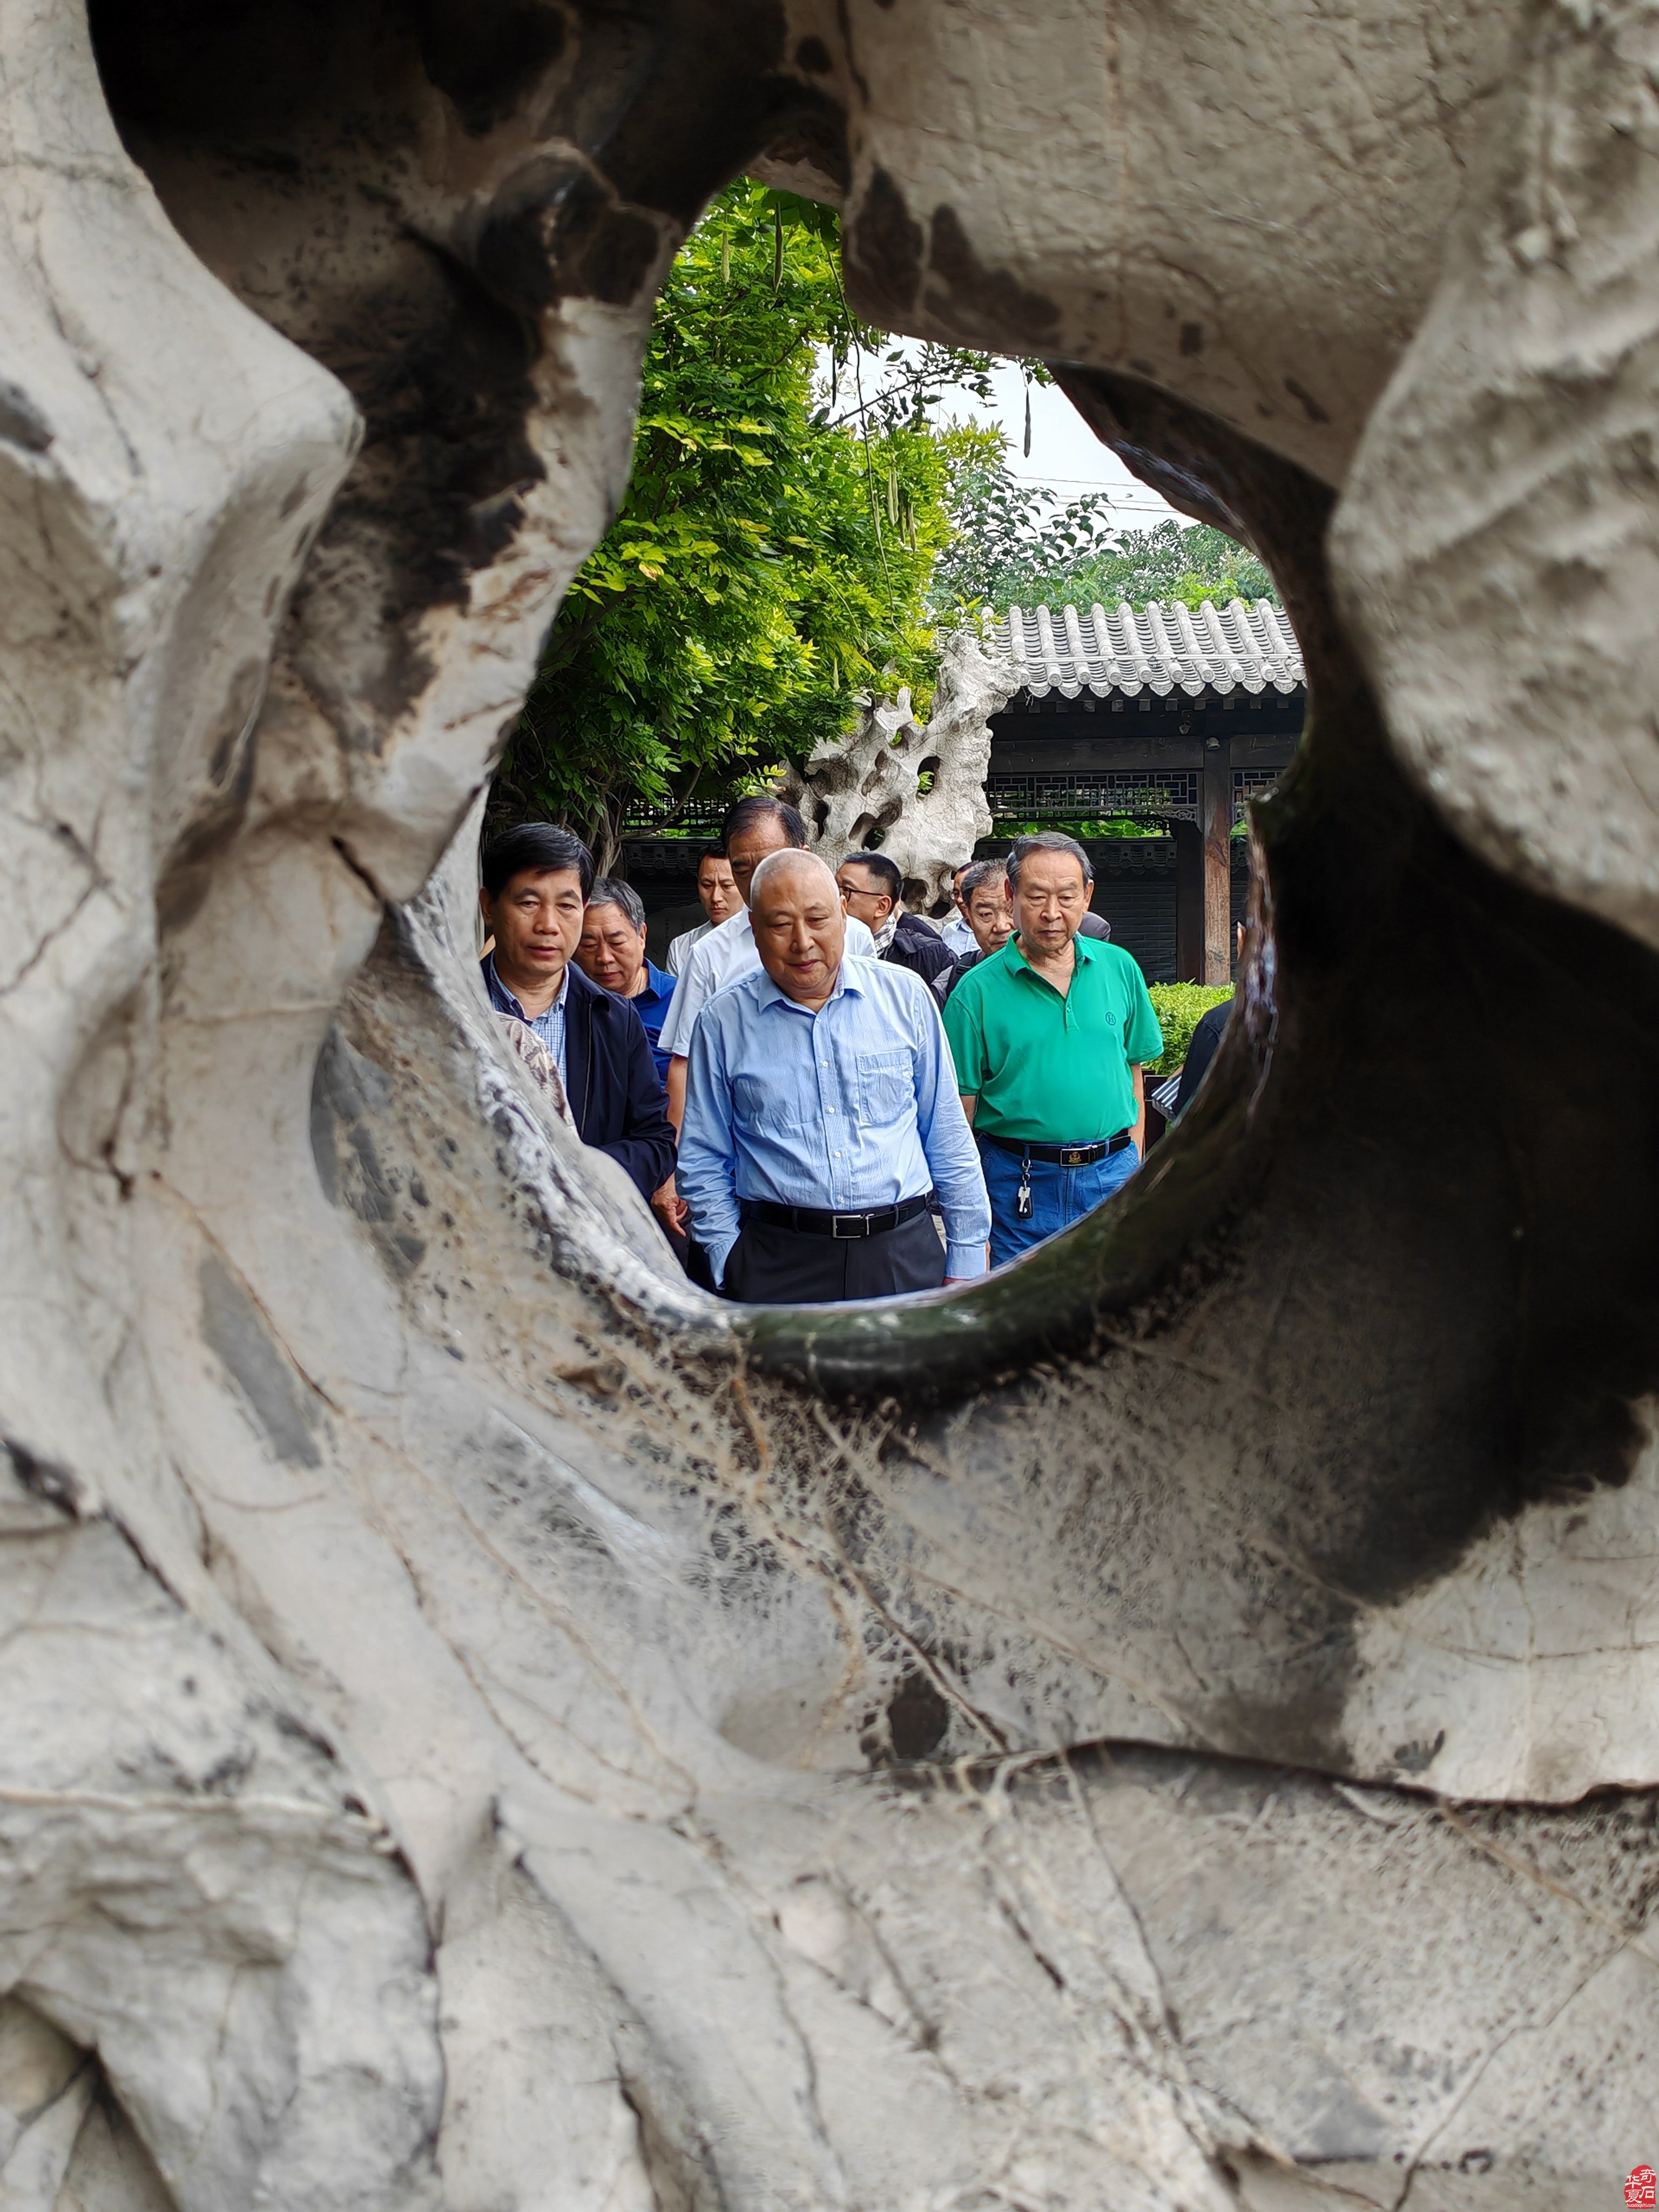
<point x="772" y="555"/>
<point x="1017" y="544"/>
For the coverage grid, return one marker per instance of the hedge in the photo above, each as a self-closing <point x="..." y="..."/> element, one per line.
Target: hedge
<point x="1178" y="1007"/>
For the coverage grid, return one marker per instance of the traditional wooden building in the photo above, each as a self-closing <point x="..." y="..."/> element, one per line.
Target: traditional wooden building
<point x="1175" y="716"/>
<point x="1170" y="717"/>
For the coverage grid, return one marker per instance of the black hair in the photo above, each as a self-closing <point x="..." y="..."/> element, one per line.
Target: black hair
<point x="885" y="872"/>
<point x="761" y="806"/>
<point x="609" y="891"/>
<point x="981" y="873"/>
<point x="712" y="852"/>
<point x="534" y="848"/>
<point x="1049" y="841"/>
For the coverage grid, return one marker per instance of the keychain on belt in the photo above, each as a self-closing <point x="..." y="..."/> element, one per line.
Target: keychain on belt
<point x="1023" y="1195"/>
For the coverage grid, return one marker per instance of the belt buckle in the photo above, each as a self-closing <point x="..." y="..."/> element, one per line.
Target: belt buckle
<point x="1071" y="1156"/>
<point x="844" y="1236"/>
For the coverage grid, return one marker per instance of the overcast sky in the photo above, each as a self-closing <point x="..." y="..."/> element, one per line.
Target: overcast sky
<point x="1065" y="451"/>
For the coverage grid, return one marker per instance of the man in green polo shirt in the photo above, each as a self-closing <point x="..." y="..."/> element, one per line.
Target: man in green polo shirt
<point x="1049" y="1035"/>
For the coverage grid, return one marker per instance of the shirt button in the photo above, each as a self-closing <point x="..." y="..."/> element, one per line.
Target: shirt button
<point x="828" y="1109"/>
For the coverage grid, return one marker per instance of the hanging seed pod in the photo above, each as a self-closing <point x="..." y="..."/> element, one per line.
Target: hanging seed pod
<point x="1028" y="420"/>
<point x="892" y="496"/>
<point x="777" y="247"/>
<point x="725" y="254"/>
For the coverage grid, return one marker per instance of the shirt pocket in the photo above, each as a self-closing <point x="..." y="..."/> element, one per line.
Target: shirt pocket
<point x="887" y="1088"/>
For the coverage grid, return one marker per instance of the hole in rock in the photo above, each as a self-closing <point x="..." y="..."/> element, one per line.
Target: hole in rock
<point x="1396" y="1210"/>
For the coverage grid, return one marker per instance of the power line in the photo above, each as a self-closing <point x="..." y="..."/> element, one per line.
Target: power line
<point x="1112" y="484"/>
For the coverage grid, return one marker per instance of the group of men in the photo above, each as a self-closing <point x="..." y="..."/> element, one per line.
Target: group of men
<point x="824" y="1096"/>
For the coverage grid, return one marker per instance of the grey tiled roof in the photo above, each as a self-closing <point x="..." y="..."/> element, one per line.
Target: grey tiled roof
<point x="1164" y="648"/>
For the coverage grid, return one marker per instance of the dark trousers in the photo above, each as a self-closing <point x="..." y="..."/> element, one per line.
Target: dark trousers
<point x="773" y="1266"/>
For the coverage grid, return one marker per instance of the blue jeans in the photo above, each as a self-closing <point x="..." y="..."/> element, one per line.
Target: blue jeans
<point x="1058" y="1196"/>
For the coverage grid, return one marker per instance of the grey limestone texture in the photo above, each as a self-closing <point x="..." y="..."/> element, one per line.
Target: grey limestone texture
<point x="1174" y="1728"/>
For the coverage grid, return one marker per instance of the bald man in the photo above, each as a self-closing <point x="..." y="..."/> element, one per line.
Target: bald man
<point x="821" y="1111"/>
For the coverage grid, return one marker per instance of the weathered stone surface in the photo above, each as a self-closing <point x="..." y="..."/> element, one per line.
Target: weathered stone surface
<point x="1499" y="538"/>
<point x="488" y="1727"/>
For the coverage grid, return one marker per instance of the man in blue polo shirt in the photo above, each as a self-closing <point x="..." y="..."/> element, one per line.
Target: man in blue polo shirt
<point x="610" y="952"/>
<point x="1049" y="1036"/>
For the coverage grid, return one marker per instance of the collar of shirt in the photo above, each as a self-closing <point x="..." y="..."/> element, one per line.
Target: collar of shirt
<point x="1082" y="948"/>
<point x="888" y="931"/>
<point x="773" y="994"/>
<point x="508" y="1004"/>
<point x="659" y="984"/>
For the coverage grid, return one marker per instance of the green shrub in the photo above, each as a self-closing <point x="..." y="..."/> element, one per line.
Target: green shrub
<point x="1178" y="1008"/>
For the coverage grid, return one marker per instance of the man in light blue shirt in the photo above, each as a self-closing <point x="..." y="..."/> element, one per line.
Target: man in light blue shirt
<point x="821" y="1109"/>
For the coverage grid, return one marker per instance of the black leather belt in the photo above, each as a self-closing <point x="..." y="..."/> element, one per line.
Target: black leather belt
<point x="1059" y="1155"/>
<point x="813" y="1222"/>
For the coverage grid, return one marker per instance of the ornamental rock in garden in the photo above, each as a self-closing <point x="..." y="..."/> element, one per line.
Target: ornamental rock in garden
<point x="1175" y="1726"/>
<point x="913" y="790"/>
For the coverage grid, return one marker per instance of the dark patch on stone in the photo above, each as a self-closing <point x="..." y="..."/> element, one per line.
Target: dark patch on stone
<point x="1305" y="400"/>
<point x="346" y="1091"/>
<point x="445" y="418"/>
<point x="349" y="1094"/>
<point x="843" y="18"/>
<point x="1418" y="1757"/>
<point x="816" y="140"/>
<point x="1192" y="338"/>
<point x="1299" y="1716"/>
<point x="48" y="1479"/>
<point x="236" y="722"/>
<point x="558" y="234"/>
<point x="811" y="54"/>
<point x="980" y="304"/>
<point x="233" y="1326"/>
<point x="186" y="872"/>
<point x="886" y="246"/>
<point x="21" y="422"/>
<point x="482" y="54"/>
<point x="917" y="1717"/>
<point x="231" y="68"/>
<point x="672" y="104"/>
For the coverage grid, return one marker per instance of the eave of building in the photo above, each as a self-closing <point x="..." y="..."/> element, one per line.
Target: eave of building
<point x="1160" y="649"/>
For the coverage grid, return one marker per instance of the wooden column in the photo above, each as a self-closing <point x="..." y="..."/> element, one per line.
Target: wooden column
<point x="1215" y="821"/>
<point x="1189" y="902"/>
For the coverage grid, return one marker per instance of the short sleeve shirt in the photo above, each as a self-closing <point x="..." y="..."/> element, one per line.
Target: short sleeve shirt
<point x="1049" y="1069"/>
<point x="651" y="1006"/>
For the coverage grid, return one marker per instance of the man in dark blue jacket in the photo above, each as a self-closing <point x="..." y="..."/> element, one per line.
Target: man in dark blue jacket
<point x="536" y="882"/>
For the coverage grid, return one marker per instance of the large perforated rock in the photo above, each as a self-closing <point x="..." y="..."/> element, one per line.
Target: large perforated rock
<point x="487" y="1726"/>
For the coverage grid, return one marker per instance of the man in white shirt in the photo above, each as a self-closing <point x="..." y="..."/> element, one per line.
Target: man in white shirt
<point x="956" y="934"/>
<point x="753" y="828"/>
<point x="718" y="894"/>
